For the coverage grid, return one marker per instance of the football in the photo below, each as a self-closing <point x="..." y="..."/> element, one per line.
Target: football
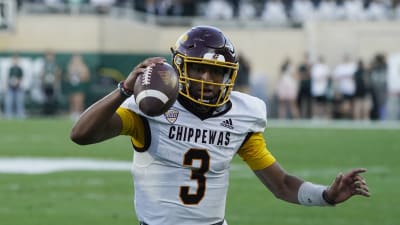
<point x="156" y="89"/>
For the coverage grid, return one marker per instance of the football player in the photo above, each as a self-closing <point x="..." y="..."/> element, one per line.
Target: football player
<point x="182" y="158"/>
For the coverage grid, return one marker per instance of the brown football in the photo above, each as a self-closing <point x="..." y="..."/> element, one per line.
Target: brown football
<point x="156" y="89"/>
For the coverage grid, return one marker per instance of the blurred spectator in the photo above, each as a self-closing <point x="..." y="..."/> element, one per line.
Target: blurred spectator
<point x="259" y="83"/>
<point x="235" y="6"/>
<point x="77" y="77"/>
<point x="19" y="4"/>
<point x="247" y="9"/>
<point x="102" y="6"/>
<point x="50" y="77"/>
<point x="54" y="5"/>
<point x="286" y="91"/>
<point x="274" y="13"/>
<point x="14" y="99"/>
<point x="320" y="75"/>
<point x="361" y="102"/>
<point x="354" y="10"/>
<point x="327" y="10"/>
<point x="219" y="10"/>
<point x="75" y="6"/>
<point x="304" y="100"/>
<point x="394" y="87"/>
<point x="396" y="10"/>
<point x="174" y="7"/>
<point x="3" y="21"/>
<point x="118" y="3"/>
<point x="189" y="7"/>
<point x="150" y="6"/>
<point x="302" y="11"/>
<point x="243" y="75"/>
<point x="377" y="10"/>
<point x="378" y="84"/>
<point x="165" y="8"/>
<point x="343" y="77"/>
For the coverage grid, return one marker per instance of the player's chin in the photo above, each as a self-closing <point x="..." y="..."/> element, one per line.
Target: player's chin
<point x="205" y="97"/>
<point x="208" y="95"/>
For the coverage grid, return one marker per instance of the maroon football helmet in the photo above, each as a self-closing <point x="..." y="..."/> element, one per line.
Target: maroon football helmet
<point x="208" y="46"/>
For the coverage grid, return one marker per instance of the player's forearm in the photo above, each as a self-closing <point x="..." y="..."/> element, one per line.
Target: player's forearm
<point x="289" y="189"/>
<point x="99" y="121"/>
<point x="281" y="184"/>
<point x="297" y="191"/>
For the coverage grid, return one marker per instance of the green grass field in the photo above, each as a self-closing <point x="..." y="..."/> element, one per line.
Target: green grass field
<point x="105" y="197"/>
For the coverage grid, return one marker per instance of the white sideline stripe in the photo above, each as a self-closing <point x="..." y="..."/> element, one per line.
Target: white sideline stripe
<point x="151" y="93"/>
<point x="25" y="165"/>
<point x="51" y="165"/>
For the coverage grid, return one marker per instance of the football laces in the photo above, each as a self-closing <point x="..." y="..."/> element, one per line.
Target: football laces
<point x="147" y="75"/>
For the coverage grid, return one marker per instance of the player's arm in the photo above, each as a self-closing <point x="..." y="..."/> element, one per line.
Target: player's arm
<point x="281" y="184"/>
<point x="293" y="189"/>
<point x="100" y="121"/>
<point x="255" y="153"/>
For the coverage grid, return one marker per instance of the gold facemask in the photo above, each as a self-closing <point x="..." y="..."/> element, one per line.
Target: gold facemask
<point x="181" y="64"/>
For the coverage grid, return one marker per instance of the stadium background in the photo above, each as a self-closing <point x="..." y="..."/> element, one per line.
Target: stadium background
<point x="315" y="151"/>
<point x="120" y="43"/>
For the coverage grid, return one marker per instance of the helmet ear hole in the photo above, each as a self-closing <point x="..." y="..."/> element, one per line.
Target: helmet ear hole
<point x="178" y="60"/>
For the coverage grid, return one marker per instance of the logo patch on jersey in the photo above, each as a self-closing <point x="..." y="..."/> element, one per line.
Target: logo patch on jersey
<point x="227" y="123"/>
<point x="171" y="115"/>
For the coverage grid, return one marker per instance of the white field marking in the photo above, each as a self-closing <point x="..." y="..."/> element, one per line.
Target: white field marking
<point x="51" y="165"/>
<point x="335" y="124"/>
<point x="29" y="137"/>
<point x="151" y="93"/>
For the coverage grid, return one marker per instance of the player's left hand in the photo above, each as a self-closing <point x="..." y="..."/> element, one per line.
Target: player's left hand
<point x="346" y="185"/>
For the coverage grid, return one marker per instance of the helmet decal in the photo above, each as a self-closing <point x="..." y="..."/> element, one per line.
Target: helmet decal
<point x="214" y="56"/>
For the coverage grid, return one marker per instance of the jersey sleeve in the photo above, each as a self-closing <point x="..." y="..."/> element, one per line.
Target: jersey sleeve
<point x="250" y="112"/>
<point x="135" y="126"/>
<point x="260" y="117"/>
<point x="255" y="153"/>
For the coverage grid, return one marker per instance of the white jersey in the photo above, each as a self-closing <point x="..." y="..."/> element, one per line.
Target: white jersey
<point x="183" y="176"/>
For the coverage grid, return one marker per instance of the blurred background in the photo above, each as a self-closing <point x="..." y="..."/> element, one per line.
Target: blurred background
<point x="319" y="59"/>
<point x="328" y="70"/>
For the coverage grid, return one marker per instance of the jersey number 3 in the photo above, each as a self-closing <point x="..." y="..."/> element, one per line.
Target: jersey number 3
<point x="197" y="174"/>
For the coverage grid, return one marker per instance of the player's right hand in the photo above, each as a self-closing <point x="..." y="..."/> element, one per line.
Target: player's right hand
<point x="139" y="69"/>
